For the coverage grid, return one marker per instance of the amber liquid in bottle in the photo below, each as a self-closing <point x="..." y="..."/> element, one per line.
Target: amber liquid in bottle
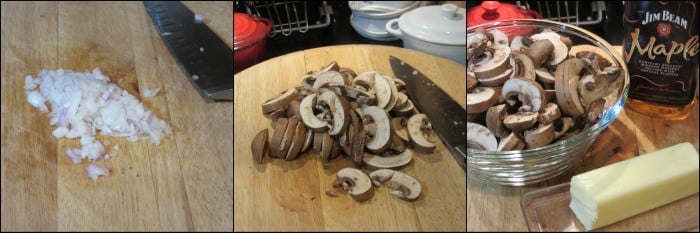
<point x="661" y="52"/>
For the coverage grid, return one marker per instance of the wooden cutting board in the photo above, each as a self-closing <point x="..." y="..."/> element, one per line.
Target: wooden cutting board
<point x="283" y="195"/>
<point x="183" y="184"/>
<point x="494" y="207"/>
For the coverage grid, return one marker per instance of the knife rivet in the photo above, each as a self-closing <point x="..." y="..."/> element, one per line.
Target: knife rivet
<point x="415" y="72"/>
<point x="195" y="77"/>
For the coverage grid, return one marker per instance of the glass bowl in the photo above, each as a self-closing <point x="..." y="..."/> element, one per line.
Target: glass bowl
<point x="524" y="167"/>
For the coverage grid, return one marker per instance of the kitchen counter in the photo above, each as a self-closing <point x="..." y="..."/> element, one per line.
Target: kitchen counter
<point x="492" y="207"/>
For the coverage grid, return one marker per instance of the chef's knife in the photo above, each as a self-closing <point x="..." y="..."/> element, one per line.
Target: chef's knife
<point x="448" y="118"/>
<point x="206" y="60"/>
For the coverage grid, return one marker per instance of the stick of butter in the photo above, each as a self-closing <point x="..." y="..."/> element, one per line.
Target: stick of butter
<point x="624" y="189"/>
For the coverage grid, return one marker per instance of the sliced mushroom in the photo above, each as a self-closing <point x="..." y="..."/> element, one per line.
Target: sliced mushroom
<point x="307" y="82"/>
<point x="397" y="144"/>
<point x="280" y="129"/>
<point x="539" y="137"/>
<point x="335" y="150"/>
<point x="332" y="66"/>
<point x="280" y="101"/>
<point x="497" y="80"/>
<point x="420" y="133"/>
<point x="566" y="85"/>
<point x="358" y="146"/>
<point x="401" y="101"/>
<point x="394" y="93"/>
<point x="308" y="116"/>
<point x="511" y="142"/>
<point x="389" y="162"/>
<point x="357" y="94"/>
<point x="523" y="66"/>
<point x="380" y="176"/>
<point x="365" y="81"/>
<point x="308" y="141"/>
<point x="399" y="126"/>
<point x="348" y="75"/>
<point x="494" y="120"/>
<point x="567" y="41"/>
<point x="293" y="110"/>
<point x="259" y="146"/>
<point x="326" y="149"/>
<point x="407" y="187"/>
<point x="499" y="37"/>
<point x="297" y="142"/>
<point x="529" y="93"/>
<point x="594" y="58"/>
<point x="520" y="121"/>
<point x="594" y="87"/>
<point x="517" y="45"/>
<point x="595" y="111"/>
<point x="480" y="137"/>
<point x="318" y="142"/>
<point x="355" y="182"/>
<point x="480" y="100"/>
<point x="540" y="52"/>
<point x="382" y="137"/>
<point x="375" y="82"/>
<point x="549" y="114"/>
<point x="400" y="84"/>
<point x="274" y="115"/>
<point x="544" y="75"/>
<point x="287" y="139"/>
<point x="566" y="123"/>
<point x="491" y="62"/>
<point x="550" y="95"/>
<point x="340" y="110"/>
<point x="560" y="52"/>
<point x="408" y="110"/>
<point x="331" y="78"/>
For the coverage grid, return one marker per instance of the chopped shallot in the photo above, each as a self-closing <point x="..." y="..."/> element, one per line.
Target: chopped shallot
<point x="94" y="171"/>
<point x="83" y="103"/>
<point x="74" y="155"/>
<point x="151" y="93"/>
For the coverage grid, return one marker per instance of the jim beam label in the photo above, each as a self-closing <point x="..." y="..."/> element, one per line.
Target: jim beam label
<point x="660" y="48"/>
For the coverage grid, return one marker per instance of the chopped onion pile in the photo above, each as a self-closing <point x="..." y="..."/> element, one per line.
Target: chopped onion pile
<point x="95" y="171"/>
<point x="83" y="103"/>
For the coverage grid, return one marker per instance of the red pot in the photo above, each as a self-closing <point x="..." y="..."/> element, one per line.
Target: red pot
<point x="249" y="39"/>
<point x="490" y="11"/>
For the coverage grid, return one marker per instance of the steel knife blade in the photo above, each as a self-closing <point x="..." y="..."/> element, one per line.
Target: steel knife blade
<point x="448" y="118"/>
<point x="204" y="58"/>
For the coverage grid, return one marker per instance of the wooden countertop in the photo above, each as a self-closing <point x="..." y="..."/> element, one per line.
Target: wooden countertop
<point x="492" y="207"/>
<point x="183" y="184"/>
<point x="283" y="195"/>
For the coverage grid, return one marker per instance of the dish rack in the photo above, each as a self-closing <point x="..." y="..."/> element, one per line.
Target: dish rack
<point x="572" y="12"/>
<point x="288" y="17"/>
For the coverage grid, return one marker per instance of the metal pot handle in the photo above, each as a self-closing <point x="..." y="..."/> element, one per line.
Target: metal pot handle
<point x="391" y="30"/>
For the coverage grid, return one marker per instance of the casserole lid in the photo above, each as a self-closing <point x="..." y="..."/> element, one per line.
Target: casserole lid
<point x="249" y="29"/>
<point x="445" y="24"/>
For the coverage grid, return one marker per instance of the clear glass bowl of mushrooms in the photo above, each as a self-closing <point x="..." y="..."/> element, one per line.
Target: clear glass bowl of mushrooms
<point x="538" y="95"/>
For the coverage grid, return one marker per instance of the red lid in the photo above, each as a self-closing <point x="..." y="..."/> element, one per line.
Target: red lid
<point x="249" y="29"/>
<point x="493" y="11"/>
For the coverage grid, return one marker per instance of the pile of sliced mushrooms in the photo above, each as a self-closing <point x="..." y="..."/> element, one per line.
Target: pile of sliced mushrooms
<point x="368" y="118"/>
<point x="533" y="91"/>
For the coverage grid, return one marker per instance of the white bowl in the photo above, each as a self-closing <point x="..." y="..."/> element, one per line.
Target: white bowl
<point x="380" y="11"/>
<point x="371" y="28"/>
<point x="437" y="30"/>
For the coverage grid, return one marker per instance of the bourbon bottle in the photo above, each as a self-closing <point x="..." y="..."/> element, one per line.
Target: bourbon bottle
<point x="661" y="51"/>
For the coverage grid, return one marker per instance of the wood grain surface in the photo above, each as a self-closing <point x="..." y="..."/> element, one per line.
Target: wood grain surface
<point x="183" y="184"/>
<point x="492" y="207"/>
<point x="290" y="195"/>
